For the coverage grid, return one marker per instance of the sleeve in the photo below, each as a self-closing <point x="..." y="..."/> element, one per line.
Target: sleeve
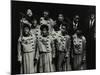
<point x="41" y="46"/>
<point x="84" y="43"/>
<point x="68" y="44"/>
<point x="72" y="47"/>
<point x="36" y="50"/>
<point x="53" y="47"/>
<point x="19" y="50"/>
<point x="58" y="43"/>
<point x="84" y="48"/>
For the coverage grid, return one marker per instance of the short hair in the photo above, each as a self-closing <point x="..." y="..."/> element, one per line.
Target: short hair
<point x="76" y="16"/>
<point x="45" y="11"/>
<point x="65" y="24"/>
<point x="79" y="32"/>
<point x="61" y="14"/>
<point x="26" y="25"/>
<point x="28" y="10"/>
<point x="44" y="27"/>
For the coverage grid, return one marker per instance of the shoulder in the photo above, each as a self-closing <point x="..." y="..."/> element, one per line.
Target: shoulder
<point x="74" y="36"/>
<point x="83" y="38"/>
<point x="50" y="37"/>
<point x="31" y="31"/>
<point x="33" y="35"/>
<point x="59" y="32"/>
<point x="41" y="18"/>
<point x="22" y="19"/>
<point x="19" y="39"/>
<point x="59" y="37"/>
<point x="53" y="34"/>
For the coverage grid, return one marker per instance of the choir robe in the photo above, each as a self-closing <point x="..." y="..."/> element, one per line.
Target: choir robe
<point x="36" y="32"/>
<point x="26" y="53"/>
<point x="46" y="54"/>
<point x="63" y="63"/>
<point x="79" y="52"/>
<point x="55" y="35"/>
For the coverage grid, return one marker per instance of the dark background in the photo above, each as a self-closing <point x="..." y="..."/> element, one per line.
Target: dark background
<point x="67" y="9"/>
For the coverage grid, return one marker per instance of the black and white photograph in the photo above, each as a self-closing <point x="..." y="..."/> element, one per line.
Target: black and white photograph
<point x="52" y="37"/>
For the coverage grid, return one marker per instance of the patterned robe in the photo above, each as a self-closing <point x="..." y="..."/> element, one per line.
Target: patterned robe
<point x="46" y="53"/>
<point x="63" y="63"/>
<point x="26" y="53"/>
<point x="79" y="52"/>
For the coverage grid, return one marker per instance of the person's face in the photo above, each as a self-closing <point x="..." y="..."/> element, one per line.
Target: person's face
<point x="35" y="22"/>
<point x="60" y="17"/>
<point x="92" y="16"/>
<point x="44" y="32"/>
<point x="77" y="18"/>
<point x="63" y="28"/>
<point x="26" y="30"/>
<point x="45" y="13"/>
<point x="29" y="12"/>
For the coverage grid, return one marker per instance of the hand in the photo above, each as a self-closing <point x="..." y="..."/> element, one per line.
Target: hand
<point x="53" y="56"/>
<point x="67" y="55"/>
<point x="20" y="59"/>
<point x="84" y="58"/>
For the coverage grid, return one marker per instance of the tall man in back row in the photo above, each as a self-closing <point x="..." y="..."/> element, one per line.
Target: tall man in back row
<point x="76" y="23"/>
